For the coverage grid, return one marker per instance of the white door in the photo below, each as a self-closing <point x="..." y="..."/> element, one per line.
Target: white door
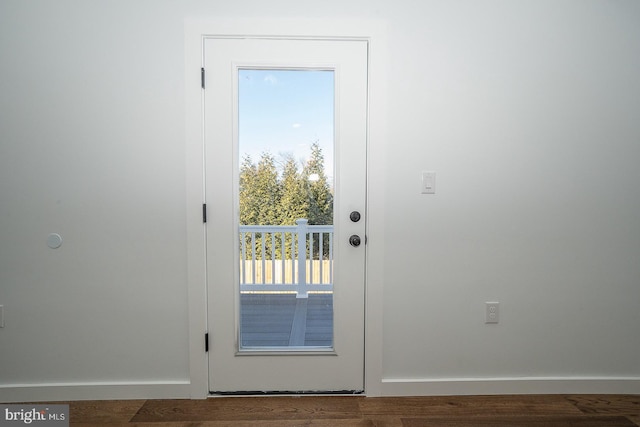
<point x="285" y="137"/>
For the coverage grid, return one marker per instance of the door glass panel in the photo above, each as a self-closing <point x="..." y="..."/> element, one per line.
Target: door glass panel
<point x="286" y="193"/>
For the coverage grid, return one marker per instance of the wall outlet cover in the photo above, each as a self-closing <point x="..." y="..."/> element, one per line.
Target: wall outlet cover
<point x="492" y="312"/>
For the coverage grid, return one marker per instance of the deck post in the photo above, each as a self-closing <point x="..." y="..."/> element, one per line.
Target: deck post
<point x="302" y="258"/>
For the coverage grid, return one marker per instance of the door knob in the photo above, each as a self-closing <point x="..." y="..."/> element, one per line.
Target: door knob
<point x="355" y="216"/>
<point x="354" y="240"/>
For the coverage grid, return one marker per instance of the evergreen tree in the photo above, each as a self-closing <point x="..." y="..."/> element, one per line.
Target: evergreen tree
<point x="267" y="198"/>
<point x="265" y="192"/>
<point x="320" y="198"/>
<point x="293" y="202"/>
<point x="259" y="198"/>
<point x="319" y="193"/>
<point x="248" y="211"/>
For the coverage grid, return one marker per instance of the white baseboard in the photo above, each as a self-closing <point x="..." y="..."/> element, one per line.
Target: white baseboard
<point x="94" y="391"/>
<point x="389" y="387"/>
<point x="524" y="385"/>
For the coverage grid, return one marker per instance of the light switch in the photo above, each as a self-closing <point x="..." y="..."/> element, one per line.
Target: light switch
<point x="428" y="182"/>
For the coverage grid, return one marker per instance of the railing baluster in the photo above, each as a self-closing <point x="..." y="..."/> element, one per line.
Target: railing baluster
<point x="243" y="261"/>
<point x="273" y="258"/>
<point x="331" y="258"/>
<point x="310" y="258"/>
<point x="262" y="258"/>
<point x="253" y="257"/>
<point x="320" y="253"/>
<point x="294" y="267"/>
<point x="282" y="256"/>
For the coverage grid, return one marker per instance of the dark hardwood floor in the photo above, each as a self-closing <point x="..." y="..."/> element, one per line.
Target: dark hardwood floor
<point x="339" y="411"/>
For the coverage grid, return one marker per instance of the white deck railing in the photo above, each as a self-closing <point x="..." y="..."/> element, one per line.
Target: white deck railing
<point x="270" y="259"/>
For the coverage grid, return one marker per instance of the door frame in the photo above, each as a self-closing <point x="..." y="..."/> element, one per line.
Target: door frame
<point x="196" y="30"/>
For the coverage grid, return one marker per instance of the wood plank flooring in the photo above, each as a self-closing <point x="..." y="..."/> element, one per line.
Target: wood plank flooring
<point x="342" y="411"/>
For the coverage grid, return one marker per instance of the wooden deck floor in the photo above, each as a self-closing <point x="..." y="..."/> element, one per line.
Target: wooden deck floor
<point x="282" y="320"/>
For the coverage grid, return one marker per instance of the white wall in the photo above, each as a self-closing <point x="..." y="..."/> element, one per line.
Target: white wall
<point x="528" y="111"/>
<point x="92" y="148"/>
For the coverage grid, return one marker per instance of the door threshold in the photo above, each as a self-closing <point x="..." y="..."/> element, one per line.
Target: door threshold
<point x="286" y="393"/>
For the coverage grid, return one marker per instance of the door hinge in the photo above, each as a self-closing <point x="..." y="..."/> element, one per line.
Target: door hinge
<point x="206" y="342"/>
<point x="204" y="212"/>
<point x="202" y="77"/>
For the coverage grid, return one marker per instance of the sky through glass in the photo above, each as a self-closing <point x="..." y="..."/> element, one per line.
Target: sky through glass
<point x="285" y="111"/>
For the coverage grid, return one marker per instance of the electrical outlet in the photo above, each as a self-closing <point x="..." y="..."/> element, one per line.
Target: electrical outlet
<point x="492" y="312"/>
